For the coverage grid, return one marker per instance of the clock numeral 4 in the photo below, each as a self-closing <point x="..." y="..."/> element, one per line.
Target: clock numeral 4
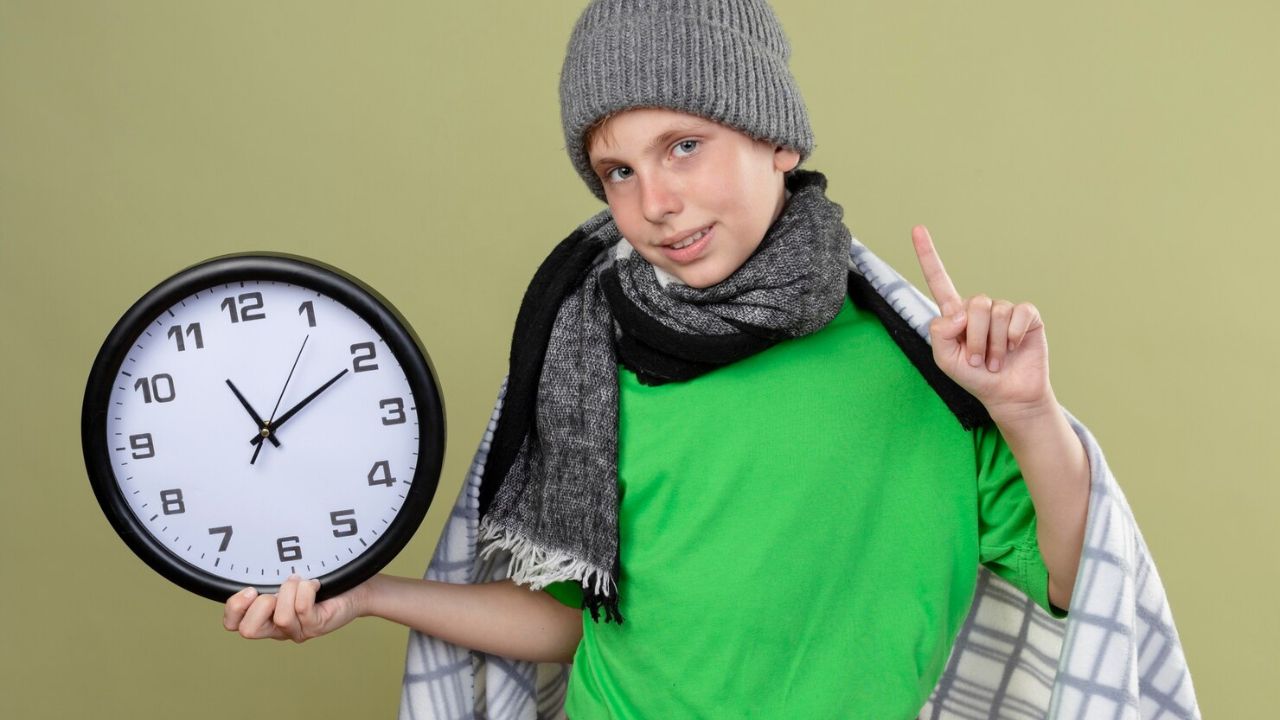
<point x="157" y="387"/>
<point x="336" y="519"/>
<point x="362" y="355"/>
<point x="193" y="330"/>
<point x="249" y="308"/>
<point x="288" y="549"/>
<point x="396" y="411"/>
<point x="142" y="447"/>
<point x="225" y="532"/>
<point x="383" y="468"/>
<point x="172" y="501"/>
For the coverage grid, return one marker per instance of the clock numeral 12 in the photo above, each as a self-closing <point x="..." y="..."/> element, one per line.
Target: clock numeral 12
<point x="336" y="519"/>
<point x="225" y="531"/>
<point x="193" y="330"/>
<point x="249" y="302"/>
<point x="290" y="552"/>
<point x="159" y="387"/>
<point x="385" y="468"/>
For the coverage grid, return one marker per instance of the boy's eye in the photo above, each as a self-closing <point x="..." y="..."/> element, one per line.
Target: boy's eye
<point x="686" y="147"/>
<point x="618" y="174"/>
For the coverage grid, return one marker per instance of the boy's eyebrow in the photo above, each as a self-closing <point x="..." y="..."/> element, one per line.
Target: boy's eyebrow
<point x="659" y="141"/>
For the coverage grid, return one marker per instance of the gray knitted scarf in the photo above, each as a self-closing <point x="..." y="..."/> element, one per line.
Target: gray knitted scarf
<point x="595" y="304"/>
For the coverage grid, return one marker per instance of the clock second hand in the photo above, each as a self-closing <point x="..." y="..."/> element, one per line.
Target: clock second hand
<point x="266" y="427"/>
<point x="272" y="427"/>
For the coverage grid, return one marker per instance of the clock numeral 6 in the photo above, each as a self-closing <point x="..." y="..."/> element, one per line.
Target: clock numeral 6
<point x="361" y="362"/>
<point x="157" y="387"/>
<point x="291" y="551"/>
<point x="172" y="499"/>
<point x="336" y="519"/>
<point x="142" y="446"/>
<point x="249" y="302"/>
<point x="225" y="531"/>
<point x="384" y="468"/>
<point x="396" y="407"/>
<point x="193" y="330"/>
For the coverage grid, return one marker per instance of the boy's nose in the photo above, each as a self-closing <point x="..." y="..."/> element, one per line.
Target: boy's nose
<point x="658" y="198"/>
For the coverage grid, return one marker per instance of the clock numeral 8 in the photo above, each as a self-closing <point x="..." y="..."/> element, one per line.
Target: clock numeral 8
<point x="336" y="519"/>
<point x="292" y="551"/>
<point x="172" y="499"/>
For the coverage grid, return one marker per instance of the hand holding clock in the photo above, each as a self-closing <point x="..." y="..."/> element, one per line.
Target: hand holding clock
<point x="292" y="613"/>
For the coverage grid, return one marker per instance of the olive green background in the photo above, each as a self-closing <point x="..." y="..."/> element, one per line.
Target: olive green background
<point x="1114" y="163"/>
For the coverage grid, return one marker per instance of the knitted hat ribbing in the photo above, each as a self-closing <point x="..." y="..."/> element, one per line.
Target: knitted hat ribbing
<point x="725" y="60"/>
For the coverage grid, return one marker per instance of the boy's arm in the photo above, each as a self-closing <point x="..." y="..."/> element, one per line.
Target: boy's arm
<point x="500" y="618"/>
<point x="998" y="352"/>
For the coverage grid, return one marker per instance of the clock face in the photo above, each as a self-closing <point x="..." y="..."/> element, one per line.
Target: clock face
<point x="256" y="428"/>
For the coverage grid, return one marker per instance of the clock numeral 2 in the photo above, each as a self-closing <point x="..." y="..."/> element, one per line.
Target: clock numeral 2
<point x="172" y="499"/>
<point x="396" y="406"/>
<point x="225" y="531"/>
<point x="290" y="552"/>
<point x="159" y="387"/>
<point x="249" y="302"/>
<point x="361" y="363"/>
<point x="142" y="446"/>
<point x="193" y="330"/>
<point x="385" y="468"/>
<point x="336" y="519"/>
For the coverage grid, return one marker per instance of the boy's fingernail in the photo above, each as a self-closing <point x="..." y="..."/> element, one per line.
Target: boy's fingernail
<point x="994" y="365"/>
<point x="975" y="360"/>
<point x="249" y="592"/>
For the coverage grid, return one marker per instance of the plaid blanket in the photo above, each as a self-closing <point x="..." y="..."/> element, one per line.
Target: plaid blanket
<point x="1117" y="655"/>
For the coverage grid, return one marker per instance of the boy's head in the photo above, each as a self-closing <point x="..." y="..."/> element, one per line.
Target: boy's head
<point x="642" y="71"/>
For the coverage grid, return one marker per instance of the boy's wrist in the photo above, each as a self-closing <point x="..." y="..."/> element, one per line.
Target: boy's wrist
<point x="1015" y="415"/>
<point x="365" y="594"/>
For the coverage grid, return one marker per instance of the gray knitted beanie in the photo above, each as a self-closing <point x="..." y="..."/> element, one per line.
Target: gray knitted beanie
<point x="725" y="60"/>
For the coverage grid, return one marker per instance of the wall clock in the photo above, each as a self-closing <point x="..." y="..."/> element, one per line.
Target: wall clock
<point x="260" y="415"/>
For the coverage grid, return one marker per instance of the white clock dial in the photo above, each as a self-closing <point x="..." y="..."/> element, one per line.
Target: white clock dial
<point x="179" y="437"/>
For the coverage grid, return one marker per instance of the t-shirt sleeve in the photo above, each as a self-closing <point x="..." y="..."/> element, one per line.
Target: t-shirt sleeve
<point x="568" y="592"/>
<point x="1007" y="542"/>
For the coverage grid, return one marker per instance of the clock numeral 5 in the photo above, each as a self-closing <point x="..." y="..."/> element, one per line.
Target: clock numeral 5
<point x="142" y="446"/>
<point x="291" y="551"/>
<point x="159" y="387"/>
<point x="249" y="302"/>
<point x="193" y="330"/>
<point x="336" y="519"/>
<point x="225" y="531"/>
<point x="172" y="499"/>
<point x="396" y="406"/>
<point x="361" y="362"/>
<point x="384" y="468"/>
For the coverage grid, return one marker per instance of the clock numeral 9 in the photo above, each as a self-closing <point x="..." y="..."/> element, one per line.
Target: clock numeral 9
<point x="172" y="499"/>
<point x="193" y="330"/>
<point x="142" y="446"/>
<point x="396" y="406"/>
<point x="249" y="302"/>
<point x="225" y="531"/>
<point x="361" y="362"/>
<point x="290" y="552"/>
<point x="159" y="387"/>
<point x="336" y="520"/>
<point x="310" y="310"/>
<point x="386" y="479"/>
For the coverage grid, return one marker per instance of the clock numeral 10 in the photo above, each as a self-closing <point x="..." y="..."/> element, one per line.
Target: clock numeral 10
<point x="288" y="548"/>
<point x="249" y="302"/>
<point x="142" y="447"/>
<point x="361" y="362"/>
<point x="172" y="500"/>
<point x="384" y="468"/>
<point x="193" y="330"/>
<point x="225" y="531"/>
<point x="337" y="520"/>
<point x="159" y="387"/>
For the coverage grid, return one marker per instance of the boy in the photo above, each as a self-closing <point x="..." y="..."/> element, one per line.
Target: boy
<point x="704" y="379"/>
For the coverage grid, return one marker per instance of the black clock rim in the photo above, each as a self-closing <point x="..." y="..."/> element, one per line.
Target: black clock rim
<point x="302" y="271"/>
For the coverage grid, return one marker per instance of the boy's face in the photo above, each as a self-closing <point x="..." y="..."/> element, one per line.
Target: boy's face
<point x="668" y="175"/>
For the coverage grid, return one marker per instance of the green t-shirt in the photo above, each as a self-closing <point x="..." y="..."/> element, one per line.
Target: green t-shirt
<point x="800" y="535"/>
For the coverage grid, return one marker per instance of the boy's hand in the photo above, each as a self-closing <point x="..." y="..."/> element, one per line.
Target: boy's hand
<point x="290" y="614"/>
<point x="994" y="349"/>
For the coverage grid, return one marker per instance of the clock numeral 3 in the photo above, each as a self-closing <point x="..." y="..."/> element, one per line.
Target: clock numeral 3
<point x="142" y="446"/>
<point x="249" y="302"/>
<point x="172" y="499"/>
<point x="383" y="467"/>
<point x="396" y="406"/>
<point x="361" y="362"/>
<point x="159" y="387"/>
<point x="193" y="330"/>
<point x="291" y="551"/>
<point x="225" y="531"/>
<point x="336" y="519"/>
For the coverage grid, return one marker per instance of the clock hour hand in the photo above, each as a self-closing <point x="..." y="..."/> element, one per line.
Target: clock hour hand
<point x="271" y="427"/>
<point x="256" y="419"/>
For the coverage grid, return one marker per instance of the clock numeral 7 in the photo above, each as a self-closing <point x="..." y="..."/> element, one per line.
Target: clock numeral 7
<point x="249" y="302"/>
<point x="291" y="551"/>
<point x="193" y="330"/>
<point x="225" y="531"/>
<point x="336" y="519"/>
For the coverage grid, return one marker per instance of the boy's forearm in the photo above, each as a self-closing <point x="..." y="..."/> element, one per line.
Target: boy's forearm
<point x="500" y="617"/>
<point x="1056" y="470"/>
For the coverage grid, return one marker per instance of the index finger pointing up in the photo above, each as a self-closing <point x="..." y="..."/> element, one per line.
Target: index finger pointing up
<point x="944" y="293"/>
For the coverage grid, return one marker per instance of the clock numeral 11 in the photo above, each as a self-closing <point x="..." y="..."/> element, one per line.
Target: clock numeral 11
<point x="193" y="330"/>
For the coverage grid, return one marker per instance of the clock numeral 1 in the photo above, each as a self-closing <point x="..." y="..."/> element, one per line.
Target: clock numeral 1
<point x="225" y="531"/>
<point x="193" y="330"/>
<point x="310" y="310"/>
<point x="360" y="363"/>
<point x="172" y="499"/>
<point x="159" y="387"/>
<point x="291" y="551"/>
<point x="142" y="446"/>
<point x="336" y="520"/>
<point x="396" y="406"/>
<point x="385" y="468"/>
<point x="249" y="302"/>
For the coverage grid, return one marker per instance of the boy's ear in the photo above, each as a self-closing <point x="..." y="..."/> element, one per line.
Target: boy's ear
<point x="785" y="159"/>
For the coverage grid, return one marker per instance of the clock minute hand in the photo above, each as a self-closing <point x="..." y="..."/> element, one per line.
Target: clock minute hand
<point x="257" y="439"/>
<point x="256" y="419"/>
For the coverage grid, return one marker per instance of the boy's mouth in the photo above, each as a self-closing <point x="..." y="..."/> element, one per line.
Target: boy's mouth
<point x="691" y="247"/>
